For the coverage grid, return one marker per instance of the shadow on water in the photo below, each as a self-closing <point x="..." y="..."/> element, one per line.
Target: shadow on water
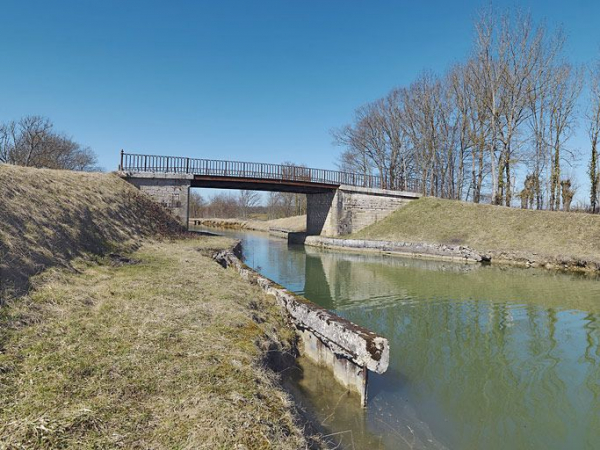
<point x="481" y="356"/>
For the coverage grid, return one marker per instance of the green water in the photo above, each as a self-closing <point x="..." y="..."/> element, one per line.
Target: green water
<point x="481" y="357"/>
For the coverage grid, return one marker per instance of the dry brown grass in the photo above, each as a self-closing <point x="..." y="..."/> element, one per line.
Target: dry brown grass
<point x="491" y="228"/>
<point x="167" y="353"/>
<point x="49" y="217"/>
<point x="294" y="223"/>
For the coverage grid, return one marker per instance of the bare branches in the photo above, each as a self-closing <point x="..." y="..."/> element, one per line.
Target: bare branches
<point x="247" y="200"/>
<point x="593" y="119"/>
<point x="33" y="142"/>
<point x="506" y="113"/>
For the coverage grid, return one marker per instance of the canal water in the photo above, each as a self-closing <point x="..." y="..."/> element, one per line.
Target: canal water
<point x="482" y="357"/>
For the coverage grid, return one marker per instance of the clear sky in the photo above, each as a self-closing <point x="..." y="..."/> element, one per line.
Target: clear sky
<point x="247" y="80"/>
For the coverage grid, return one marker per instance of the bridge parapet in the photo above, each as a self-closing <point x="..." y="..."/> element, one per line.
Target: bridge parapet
<point x="208" y="169"/>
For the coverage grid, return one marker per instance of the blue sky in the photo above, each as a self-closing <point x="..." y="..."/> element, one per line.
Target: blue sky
<point x="250" y="80"/>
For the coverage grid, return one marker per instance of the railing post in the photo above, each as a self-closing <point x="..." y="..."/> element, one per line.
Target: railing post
<point x="275" y="172"/>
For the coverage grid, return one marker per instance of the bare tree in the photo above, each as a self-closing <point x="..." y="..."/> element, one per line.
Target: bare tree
<point x="568" y="191"/>
<point x="222" y="205"/>
<point x="593" y="118"/>
<point x="541" y="83"/>
<point x="246" y="201"/>
<point x="197" y="205"/>
<point x="503" y="117"/>
<point x="564" y="93"/>
<point x="479" y="126"/>
<point x="32" y="142"/>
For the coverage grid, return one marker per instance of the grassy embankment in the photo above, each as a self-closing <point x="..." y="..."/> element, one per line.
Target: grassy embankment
<point x="504" y="232"/>
<point x="162" y="349"/>
<point x="294" y="223"/>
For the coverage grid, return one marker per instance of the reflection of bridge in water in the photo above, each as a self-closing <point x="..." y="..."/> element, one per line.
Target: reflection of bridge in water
<point x="337" y="202"/>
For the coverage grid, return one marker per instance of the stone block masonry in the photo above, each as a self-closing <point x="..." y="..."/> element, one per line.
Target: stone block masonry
<point x="332" y="212"/>
<point x="350" y="209"/>
<point x="170" y="190"/>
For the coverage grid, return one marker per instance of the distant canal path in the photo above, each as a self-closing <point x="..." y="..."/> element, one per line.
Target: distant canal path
<point x="481" y="356"/>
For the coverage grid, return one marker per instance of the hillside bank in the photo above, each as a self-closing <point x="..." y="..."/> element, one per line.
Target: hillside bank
<point x="500" y="234"/>
<point x="120" y="332"/>
<point x="49" y="217"/>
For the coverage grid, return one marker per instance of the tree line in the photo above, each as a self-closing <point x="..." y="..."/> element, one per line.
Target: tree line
<point x="247" y="204"/>
<point x="494" y="128"/>
<point x="32" y="141"/>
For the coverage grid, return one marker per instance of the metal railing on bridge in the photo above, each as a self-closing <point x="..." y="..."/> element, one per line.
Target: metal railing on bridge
<point x="131" y="162"/>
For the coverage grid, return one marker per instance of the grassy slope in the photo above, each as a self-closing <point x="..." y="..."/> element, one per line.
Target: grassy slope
<point x="161" y="354"/>
<point x="491" y="228"/>
<point x="48" y="217"/>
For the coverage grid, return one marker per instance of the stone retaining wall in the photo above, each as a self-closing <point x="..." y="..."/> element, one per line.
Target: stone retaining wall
<point x="439" y="251"/>
<point x="350" y="209"/>
<point x="170" y="190"/>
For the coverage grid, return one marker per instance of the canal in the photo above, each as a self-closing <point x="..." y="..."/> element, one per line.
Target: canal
<point x="482" y="357"/>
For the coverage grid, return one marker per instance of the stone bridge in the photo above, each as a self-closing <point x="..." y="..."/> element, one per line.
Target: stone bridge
<point x="338" y="203"/>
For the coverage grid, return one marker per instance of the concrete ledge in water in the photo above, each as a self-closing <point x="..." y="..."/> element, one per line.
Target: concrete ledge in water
<point x="279" y="232"/>
<point x="438" y="251"/>
<point x="349" y="350"/>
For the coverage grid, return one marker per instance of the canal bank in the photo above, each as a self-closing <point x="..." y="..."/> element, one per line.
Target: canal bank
<point x="482" y="356"/>
<point x="454" y="230"/>
<point x="348" y="350"/>
<point x="117" y="330"/>
<point x="500" y="235"/>
<point x="157" y="349"/>
<point x="283" y="225"/>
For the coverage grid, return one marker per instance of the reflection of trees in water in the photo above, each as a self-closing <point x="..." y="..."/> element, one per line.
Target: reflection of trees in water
<point x="490" y="358"/>
<point x="372" y="279"/>
<point x="482" y="378"/>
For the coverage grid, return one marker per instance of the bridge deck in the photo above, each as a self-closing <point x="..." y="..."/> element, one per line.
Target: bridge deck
<point x="256" y="176"/>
